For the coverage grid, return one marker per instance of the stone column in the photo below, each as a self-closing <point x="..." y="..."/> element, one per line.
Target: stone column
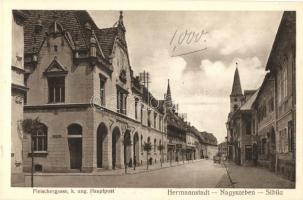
<point x="120" y="153"/>
<point x="107" y="152"/>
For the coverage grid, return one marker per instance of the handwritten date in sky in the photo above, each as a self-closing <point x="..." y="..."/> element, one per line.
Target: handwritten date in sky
<point x="184" y="42"/>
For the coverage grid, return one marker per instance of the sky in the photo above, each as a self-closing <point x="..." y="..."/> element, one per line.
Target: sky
<point x="198" y="51"/>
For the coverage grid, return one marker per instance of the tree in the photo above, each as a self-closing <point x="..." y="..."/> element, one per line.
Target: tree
<point x="147" y="148"/>
<point x="31" y="127"/>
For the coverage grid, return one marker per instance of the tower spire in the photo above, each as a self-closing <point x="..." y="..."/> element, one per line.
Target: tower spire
<point x="168" y="95"/>
<point x="236" y="89"/>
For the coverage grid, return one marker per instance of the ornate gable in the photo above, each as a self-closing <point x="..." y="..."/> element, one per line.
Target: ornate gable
<point x="55" y="68"/>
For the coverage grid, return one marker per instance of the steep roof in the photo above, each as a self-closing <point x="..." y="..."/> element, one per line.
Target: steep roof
<point x="208" y="138"/>
<point x="285" y="37"/>
<point x="72" y="21"/>
<point x="236" y="89"/>
<point x="106" y="38"/>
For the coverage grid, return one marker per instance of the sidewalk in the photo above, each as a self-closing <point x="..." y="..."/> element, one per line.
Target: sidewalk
<point x="252" y="177"/>
<point x="120" y="172"/>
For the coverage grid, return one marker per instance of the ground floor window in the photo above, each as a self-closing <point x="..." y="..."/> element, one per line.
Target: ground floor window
<point x="39" y="139"/>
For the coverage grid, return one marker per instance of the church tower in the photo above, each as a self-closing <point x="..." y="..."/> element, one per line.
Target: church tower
<point x="236" y="96"/>
<point x="168" y="99"/>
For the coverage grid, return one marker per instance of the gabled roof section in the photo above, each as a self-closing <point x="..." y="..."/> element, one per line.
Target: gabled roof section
<point x="286" y="36"/>
<point x="107" y="38"/>
<point x="248" y="104"/>
<point x="55" y="68"/>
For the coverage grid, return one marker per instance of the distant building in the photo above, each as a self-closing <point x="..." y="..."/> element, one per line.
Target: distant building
<point x="17" y="96"/>
<point x="209" y="144"/>
<point x="222" y="149"/>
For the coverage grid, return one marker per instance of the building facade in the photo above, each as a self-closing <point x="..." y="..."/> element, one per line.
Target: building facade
<point x="176" y="131"/>
<point x="94" y="112"/>
<point x="264" y="124"/>
<point x="282" y="64"/>
<point x="18" y="91"/>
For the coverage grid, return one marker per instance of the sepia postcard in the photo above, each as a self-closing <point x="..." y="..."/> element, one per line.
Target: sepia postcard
<point x="106" y="100"/>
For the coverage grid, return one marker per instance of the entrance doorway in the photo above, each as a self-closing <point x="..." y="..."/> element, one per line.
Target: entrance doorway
<point x="115" y="146"/>
<point x="75" y="146"/>
<point x="101" y="137"/>
<point x="127" y="148"/>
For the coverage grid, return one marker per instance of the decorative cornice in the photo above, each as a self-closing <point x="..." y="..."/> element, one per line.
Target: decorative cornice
<point x="19" y="88"/>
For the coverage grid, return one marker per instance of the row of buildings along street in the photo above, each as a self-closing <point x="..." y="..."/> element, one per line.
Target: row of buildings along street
<point x="77" y="105"/>
<point x="261" y="125"/>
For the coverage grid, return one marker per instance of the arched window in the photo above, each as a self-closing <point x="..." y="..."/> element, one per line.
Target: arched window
<point x="74" y="129"/>
<point x="39" y="139"/>
<point x="155" y="145"/>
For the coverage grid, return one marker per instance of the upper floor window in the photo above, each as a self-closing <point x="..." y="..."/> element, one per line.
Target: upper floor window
<point x="155" y="120"/>
<point x="155" y="145"/>
<point x="160" y="121"/>
<point x="148" y="118"/>
<point x="102" y="90"/>
<point x="136" y="108"/>
<point x="121" y="101"/>
<point x="56" y="89"/>
<point x="142" y="146"/>
<point x="39" y="139"/>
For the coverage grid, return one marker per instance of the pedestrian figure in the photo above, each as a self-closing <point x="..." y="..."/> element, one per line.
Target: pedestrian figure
<point x="130" y="164"/>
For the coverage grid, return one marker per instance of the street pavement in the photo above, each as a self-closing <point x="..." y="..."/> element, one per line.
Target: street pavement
<point x="199" y="174"/>
<point x="252" y="177"/>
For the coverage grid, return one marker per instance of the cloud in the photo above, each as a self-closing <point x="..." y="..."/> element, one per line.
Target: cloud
<point x="204" y="94"/>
